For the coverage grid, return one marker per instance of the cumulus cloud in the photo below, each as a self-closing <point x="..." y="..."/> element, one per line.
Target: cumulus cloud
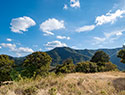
<point x="23" y="50"/>
<point x="109" y="37"/>
<point x="53" y="44"/>
<point x="63" y="37"/>
<point x="18" y="25"/>
<point x="75" y="3"/>
<point x="8" y="45"/>
<point x="51" y="25"/>
<point x="0" y="47"/>
<point x="109" y="17"/>
<point x="9" y="40"/>
<point x="85" y="28"/>
<point x="18" y="51"/>
<point x="65" y="7"/>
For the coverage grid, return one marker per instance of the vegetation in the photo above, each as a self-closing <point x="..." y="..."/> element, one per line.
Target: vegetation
<point x="6" y="65"/>
<point x="37" y="63"/>
<point x="100" y="56"/>
<point x="104" y="83"/>
<point x="86" y="67"/>
<point x="34" y="75"/>
<point x="121" y="54"/>
<point x="66" y="67"/>
<point x="61" y="53"/>
<point x="102" y="61"/>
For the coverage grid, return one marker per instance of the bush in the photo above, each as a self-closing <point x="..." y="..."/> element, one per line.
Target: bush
<point x="110" y="67"/>
<point x="100" y="56"/>
<point x="121" y="54"/>
<point x="86" y="67"/>
<point x="37" y="63"/>
<point x="6" y="65"/>
<point x="15" y="75"/>
<point x="66" y="67"/>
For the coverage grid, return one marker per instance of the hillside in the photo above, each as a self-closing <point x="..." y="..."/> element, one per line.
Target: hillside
<point x="106" y="83"/>
<point x="59" y="54"/>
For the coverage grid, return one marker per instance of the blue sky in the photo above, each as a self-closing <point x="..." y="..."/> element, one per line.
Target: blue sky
<point x="41" y="25"/>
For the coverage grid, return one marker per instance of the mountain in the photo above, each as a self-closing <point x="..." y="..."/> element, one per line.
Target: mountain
<point x="61" y="53"/>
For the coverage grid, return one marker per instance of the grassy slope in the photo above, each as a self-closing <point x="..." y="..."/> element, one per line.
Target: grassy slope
<point x="107" y="83"/>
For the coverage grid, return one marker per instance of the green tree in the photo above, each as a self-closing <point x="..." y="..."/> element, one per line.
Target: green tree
<point x="121" y="54"/>
<point x="86" y="67"/>
<point x="36" y="63"/>
<point x="6" y="65"/>
<point x="110" y="67"/>
<point x="66" y="67"/>
<point x="100" y="56"/>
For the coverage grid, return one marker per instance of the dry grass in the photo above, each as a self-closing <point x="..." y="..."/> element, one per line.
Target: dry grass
<point x="107" y="83"/>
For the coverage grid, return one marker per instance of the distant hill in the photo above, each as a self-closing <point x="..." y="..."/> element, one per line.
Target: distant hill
<point x="61" y="53"/>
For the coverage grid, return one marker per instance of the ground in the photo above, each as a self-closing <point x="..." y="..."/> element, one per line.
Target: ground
<point x="104" y="83"/>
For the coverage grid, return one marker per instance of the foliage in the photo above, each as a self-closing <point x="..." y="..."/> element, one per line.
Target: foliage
<point x="6" y="65"/>
<point x="66" y="67"/>
<point x="86" y="67"/>
<point x="61" y="53"/>
<point x="37" y="63"/>
<point x="110" y="67"/>
<point x="121" y="54"/>
<point x="100" y="56"/>
<point x="15" y="75"/>
<point x="53" y="91"/>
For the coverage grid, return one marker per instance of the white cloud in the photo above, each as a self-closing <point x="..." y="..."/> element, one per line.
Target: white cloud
<point x="63" y="37"/>
<point x="50" y="25"/>
<point x="18" y="51"/>
<point x="9" y="40"/>
<point x="85" y="28"/>
<point x="23" y="50"/>
<point x="18" y="25"/>
<point x="109" y="17"/>
<point x="99" y="40"/>
<point x="65" y="7"/>
<point x="75" y="3"/>
<point x="8" y="45"/>
<point x="0" y="47"/>
<point x="109" y="37"/>
<point x="53" y="44"/>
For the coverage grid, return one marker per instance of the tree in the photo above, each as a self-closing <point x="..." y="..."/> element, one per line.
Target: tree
<point x="100" y="56"/>
<point x="121" y="54"/>
<point x="36" y="63"/>
<point x="110" y="67"/>
<point x="66" y="67"/>
<point x="86" y="67"/>
<point x="6" y="65"/>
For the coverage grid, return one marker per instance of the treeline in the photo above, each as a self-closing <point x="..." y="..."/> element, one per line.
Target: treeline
<point x="38" y="64"/>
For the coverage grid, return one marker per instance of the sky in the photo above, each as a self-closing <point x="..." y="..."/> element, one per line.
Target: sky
<point x="27" y="26"/>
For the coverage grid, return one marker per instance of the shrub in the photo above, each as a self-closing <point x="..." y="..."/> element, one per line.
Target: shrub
<point x="110" y="67"/>
<point x="6" y="65"/>
<point x="37" y="63"/>
<point x="86" y="67"/>
<point x="66" y="67"/>
<point x="121" y="54"/>
<point x="100" y="56"/>
<point x="53" y="91"/>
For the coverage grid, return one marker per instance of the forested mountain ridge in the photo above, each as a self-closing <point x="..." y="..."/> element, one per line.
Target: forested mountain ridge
<point x="61" y="53"/>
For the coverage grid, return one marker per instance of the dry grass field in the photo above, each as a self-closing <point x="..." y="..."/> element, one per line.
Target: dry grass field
<point x="105" y="83"/>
